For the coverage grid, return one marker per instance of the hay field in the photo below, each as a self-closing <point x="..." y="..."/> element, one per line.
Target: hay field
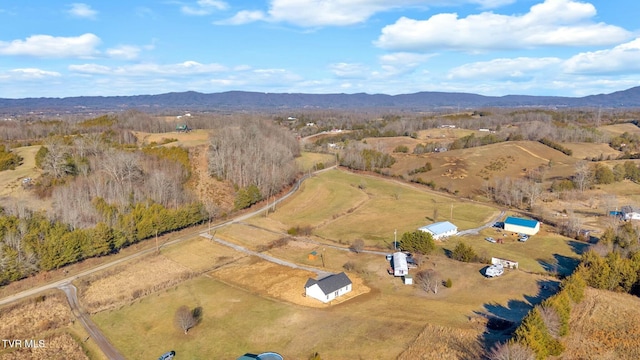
<point x="590" y="150"/>
<point x="190" y="139"/>
<point x="465" y="170"/>
<point x="127" y="282"/>
<point x="200" y="254"/>
<point x="248" y="236"/>
<point x="388" y="144"/>
<point x="341" y="206"/>
<point x="619" y="129"/>
<point x="604" y="326"/>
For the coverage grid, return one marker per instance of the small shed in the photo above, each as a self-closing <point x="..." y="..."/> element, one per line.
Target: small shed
<point x="440" y="230"/>
<point x="522" y="226"/>
<point x="407" y="280"/>
<point x="328" y="288"/>
<point x="399" y="264"/>
<point x="507" y="264"/>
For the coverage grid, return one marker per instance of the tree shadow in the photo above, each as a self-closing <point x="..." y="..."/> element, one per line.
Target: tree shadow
<point x="560" y="265"/>
<point x="579" y="247"/>
<point x="502" y="321"/>
<point x="197" y="314"/>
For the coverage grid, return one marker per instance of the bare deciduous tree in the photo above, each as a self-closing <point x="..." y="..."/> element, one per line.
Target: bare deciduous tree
<point x="357" y="246"/>
<point x="428" y="280"/>
<point x="185" y="319"/>
<point x="511" y="351"/>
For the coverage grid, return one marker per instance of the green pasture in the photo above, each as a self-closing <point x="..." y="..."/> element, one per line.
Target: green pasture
<point x="342" y="206"/>
<point x="308" y="160"/>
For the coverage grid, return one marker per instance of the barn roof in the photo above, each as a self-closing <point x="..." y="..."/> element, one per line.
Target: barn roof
<point x="512" y="220"/>
<point x="330" y="283"/>
<point x="439" y="228"/>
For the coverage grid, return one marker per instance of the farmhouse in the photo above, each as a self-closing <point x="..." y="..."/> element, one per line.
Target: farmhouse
<point x="400" y="266"/>
<point x="630" y="212"/>
<point x="522" y="226"/>
<point x="440" y="230"/>
<point x="328" y="288"/>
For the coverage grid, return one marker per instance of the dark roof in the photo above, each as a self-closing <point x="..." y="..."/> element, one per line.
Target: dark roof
<point x="521" y="222"/>
<point x="331" y="283"/>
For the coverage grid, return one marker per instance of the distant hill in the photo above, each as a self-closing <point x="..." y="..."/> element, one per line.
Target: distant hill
<point x="238" y="100"/>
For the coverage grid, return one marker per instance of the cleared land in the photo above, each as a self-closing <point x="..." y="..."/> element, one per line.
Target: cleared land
<point x="186" y="139"/>
<point x="619" y="129"/>
<point x="465" y="170"/>
<point x="590" y="150"/>
<point x="341" y="206"/>
<point x="250" y="305"/>
<point x="11" y="186"/>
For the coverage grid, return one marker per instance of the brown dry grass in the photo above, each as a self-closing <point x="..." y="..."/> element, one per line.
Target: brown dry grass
<point x="128" y="282"/>
<point x="280" y="282"/>
<point x="590" y="150"/>
<point x="11" y="189"/>
<point x="200" y="254"/>
<point x="59" y="346"/>
<point x="618" y="129"/>
<point x="437" y="342"/>
<point x="604" y="326"/>
<point x="190" y="139"/>
<point x="34" y="316"/>
<point x="465" y="170"/>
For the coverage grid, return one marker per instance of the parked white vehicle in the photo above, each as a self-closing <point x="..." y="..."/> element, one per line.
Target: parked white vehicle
<point x="494" y="270"/>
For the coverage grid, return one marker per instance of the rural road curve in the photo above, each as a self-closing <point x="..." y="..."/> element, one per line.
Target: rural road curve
<point x="489" y="224"/>
<point x="72" y="296"/>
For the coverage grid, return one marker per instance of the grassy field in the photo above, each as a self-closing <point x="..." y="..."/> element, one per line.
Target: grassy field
<point x="341" y="206"/>
<point x="381" y="324"/>
<point x="308" y="160"/>
<point x="465" y="170"/>
<point x="589" y="150"/>
<point x="619" y="129"/>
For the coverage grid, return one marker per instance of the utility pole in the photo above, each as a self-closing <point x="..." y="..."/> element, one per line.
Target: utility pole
<point x="451" y="216"/>
<point x="322" y="257"/>
<point x="395" y="239"/>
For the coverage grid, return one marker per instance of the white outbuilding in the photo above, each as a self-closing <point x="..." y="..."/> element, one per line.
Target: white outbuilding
<point x="440" y="230"/>
<point x="521" y="226"/>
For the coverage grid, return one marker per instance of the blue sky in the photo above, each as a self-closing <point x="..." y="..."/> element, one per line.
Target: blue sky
<point x="51" y="48"/>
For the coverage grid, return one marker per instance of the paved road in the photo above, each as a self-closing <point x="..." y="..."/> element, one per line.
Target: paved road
<point x="72" y="296"/>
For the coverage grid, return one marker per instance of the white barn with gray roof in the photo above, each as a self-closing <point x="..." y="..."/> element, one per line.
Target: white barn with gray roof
<point x="440" y="230"/>
<point x="328" y="288"/>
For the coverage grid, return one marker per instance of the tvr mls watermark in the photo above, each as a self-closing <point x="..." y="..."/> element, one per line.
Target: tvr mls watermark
<point x="23" y="343"/>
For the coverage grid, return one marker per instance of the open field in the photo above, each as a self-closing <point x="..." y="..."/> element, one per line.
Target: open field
<point x="341" y="206"/>
<point x="619" y="129"/>
<point x="465" y="170"/>
<point x="11" y="189"/>
<point x="308" y="160"/>
<point x="590" y="150"/>
<point x="188" y="139"/>
<point x="604" y="326"/>
<point x="245" y="310"/>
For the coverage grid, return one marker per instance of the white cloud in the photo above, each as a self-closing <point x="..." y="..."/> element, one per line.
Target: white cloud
<point x="125" y="52"/>
<point x="181" y="69"/>
<point x="551" y="23"/>
<point x="517" y="69"/>
<point x="48" y="46"/>
<point x="31" y="74"/>
<point x="622" y="58"/>
<point x="316" y="13"/>
<point x="348" y="70"/>
<point x="81" y="10"/>
<point x="204" y="7"/>
<point x="400" y="63"/>
<point x="243" y="17"/>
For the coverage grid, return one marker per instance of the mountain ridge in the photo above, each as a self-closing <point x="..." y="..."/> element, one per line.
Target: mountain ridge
<point x="249" y="100"/>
